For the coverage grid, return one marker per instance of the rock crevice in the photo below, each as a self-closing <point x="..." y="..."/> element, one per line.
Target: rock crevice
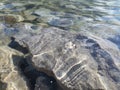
<point x="78" y="62"/>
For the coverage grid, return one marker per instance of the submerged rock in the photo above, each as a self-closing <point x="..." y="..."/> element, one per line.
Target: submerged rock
<point x="116" y="40"/>
<point x="77" y="61"/>
<point x="9" y="76"/>
<point x="61" y="22"/>
<point x="11" y="19"/>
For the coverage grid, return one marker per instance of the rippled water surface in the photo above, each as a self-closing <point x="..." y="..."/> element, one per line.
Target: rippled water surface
<point x="99" y="17"/>
<point x="95" y="17"/>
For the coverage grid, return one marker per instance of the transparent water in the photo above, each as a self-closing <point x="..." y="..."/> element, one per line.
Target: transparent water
<point x="99" y="17"/>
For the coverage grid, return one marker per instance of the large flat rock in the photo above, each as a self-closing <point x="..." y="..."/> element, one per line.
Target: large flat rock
<point x="78" y="61"/>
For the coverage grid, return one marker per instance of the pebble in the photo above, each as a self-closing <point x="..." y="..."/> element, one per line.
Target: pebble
<point x="11" y="19"/>
<point x="61" y="22"/>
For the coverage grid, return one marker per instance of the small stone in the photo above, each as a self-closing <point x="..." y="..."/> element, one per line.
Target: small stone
<point x="42" y="12"/>
<point x="44" y="15"/>
<point x="71" y="6"/>
<point x="11" y="19"/>
<point x="61" y="22"/>
<point x="30" y="17"/>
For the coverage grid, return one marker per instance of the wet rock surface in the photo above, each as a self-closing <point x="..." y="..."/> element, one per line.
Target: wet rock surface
<point x="10" y="78"/>
<point x="17" y="73"/>
<point x="76" y="61"/>
<point x="26" y="18"/>
<point x="116" y="40"/>
<point x="62" y="23"/>
<point x="11" y="19"/>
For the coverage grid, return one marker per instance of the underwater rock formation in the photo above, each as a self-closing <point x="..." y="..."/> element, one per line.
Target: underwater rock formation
<point x="77" y="61"/>
<point x="10" y="78"/>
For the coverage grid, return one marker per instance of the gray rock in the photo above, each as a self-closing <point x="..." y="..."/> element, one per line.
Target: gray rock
<point x="77" y="61"/>
<point x="61" y="22"/>
<point x="44" y="15"/>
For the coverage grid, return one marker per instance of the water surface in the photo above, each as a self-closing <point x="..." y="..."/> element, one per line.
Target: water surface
<point x="99" y="17"/>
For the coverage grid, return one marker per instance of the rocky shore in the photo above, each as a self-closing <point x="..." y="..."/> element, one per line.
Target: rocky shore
<point x="54" y="59"/>
<point x="59" y="45"/>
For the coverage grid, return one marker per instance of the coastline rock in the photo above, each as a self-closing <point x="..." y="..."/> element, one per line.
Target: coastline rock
<point x="77" y="61"/>
<point x="11" y="19"/>
<point x="9" y="74"/>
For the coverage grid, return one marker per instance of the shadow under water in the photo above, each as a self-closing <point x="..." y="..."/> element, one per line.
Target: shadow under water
<point x="3" y="86"/>
<point x="36" y="80"/>
<point x="116" y="40"/>
<point x="13" y="44"/>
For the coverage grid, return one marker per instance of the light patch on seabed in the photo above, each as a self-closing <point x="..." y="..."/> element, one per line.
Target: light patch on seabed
<point x="102" y="82"/>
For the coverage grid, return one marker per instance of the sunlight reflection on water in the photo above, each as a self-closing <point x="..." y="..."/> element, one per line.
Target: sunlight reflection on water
<point x="100" y="17"/>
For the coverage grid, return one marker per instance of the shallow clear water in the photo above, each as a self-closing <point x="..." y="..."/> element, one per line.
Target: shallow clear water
<point x="99" y="17"/>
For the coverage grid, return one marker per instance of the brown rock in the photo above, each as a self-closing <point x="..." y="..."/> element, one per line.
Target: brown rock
<point x="8" y="71"/>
